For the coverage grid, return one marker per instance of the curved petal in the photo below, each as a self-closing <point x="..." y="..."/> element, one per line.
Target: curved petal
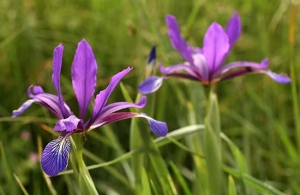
<point x="56" y="155"/>
<point x="215" y="46"/>
<point x="157" y="127"/>
<point x="22" y="108"/>
<point x="84" y="73"/>
<point x="178" y="67"/>
<point x="111" y="118"/>
<point x="102" y="97"/>
<point x="57" y="63"/>
<point x="177" y="41"/>
<point x="280" y="78"/>
<point x="150" y="85"/>
<point x="234" y="29"/>
<point x="68" y="124"/>
<point x="47" y="100"/>
<point x="114" y="107"/>
<point x="253" y="66"/>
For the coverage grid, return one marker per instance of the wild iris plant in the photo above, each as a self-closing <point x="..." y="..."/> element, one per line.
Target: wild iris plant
<point x="206" y="64"/>
<point x="84" y="70"/>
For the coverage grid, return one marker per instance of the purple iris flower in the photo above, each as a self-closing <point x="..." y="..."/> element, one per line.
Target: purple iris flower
<point x="84" y="70"/>
<point x="206" y="64"/>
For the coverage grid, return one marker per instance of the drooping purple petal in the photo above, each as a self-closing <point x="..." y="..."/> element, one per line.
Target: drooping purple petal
<point x="47" y="100"/>
<point x="234" y="29"/>
<point x="22" y="108"/>
<point x="150" y="85"/>
<point x="56" y="155"/>
<point x="84" y="72"/>
<point x="178" y="67"/>
<point x="57" y="63"/>
<point x="277" y="77"/>
<point x="117" y="106"/>
<point x="157" y="127"/>
<point x="215" y="46"/>
<point x="102" y="97"/>
<point x="68" y="124"/>
<point x="244" y="64"/>
<point x="111" y="118"/>
<point x="177" y="41"/>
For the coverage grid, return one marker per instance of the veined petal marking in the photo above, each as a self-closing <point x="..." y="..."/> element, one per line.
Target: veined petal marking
<point x="55" y="156"/>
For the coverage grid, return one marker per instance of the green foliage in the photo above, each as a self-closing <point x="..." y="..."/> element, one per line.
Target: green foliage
<point x="259" y="128"/>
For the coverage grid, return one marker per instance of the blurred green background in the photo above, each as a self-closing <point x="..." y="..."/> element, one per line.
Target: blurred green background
<point x="257" y="113"/>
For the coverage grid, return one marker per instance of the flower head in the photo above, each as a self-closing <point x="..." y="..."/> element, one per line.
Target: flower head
<point x="84" y="70"/>
<point x="206" y="64"/>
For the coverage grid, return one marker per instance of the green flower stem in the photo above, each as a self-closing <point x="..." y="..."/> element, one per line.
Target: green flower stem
<point x="86" y="183"/>
<point x="212" y="144"/>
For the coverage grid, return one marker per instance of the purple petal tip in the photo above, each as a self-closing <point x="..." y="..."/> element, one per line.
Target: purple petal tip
<point x="159" y="128"/>
<point x="280" y="78"/>
<point x="150" y="85"/>
<point x="55" y="156"/>
<point x="20" y="110"/>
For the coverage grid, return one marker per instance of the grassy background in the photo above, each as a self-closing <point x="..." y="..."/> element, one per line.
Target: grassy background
<point x="257" y="113"/>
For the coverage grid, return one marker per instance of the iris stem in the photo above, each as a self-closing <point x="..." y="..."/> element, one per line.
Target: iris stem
<point x="86" y="183"/>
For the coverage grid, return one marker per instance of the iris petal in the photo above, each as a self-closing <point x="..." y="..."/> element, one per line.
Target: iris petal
<point x="177" y="41"/>
<point x="47" y="100"/>
<point x="242" y="65"/>
<point x="57" y="63"/>
<point x="122" y="105"/>
<point x="215" y="46"/>
<point x="56" y="155"/>
<point x="234" y="29"/>
<point x="278" y="77"/>
<point x="150" y="85"/>
<point x="68" y="124"/>
<point x="159" y="128"/>
<point x="102" y="97"/>
<point x="20" y="110"/>
<point x="84" y="72"/>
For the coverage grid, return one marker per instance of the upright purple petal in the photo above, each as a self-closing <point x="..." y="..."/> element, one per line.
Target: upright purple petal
<point x="57" y="63"/>
<point x="84" y="72"/>
<point x="177" y="41"/>
<point x="102" y="97"/>
<point x="234" y="28"/>
<point x="68" y="124"/>
<point x="56" y="155"/>
<point x="150" y="85"/>
<point x="215" y="46"/>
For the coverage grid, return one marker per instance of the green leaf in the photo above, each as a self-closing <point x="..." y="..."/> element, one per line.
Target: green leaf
<point x="231" y="186"/>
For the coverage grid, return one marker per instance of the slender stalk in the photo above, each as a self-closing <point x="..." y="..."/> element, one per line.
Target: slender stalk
<point x="293" y="73"/>
<point x="86" y="183"/>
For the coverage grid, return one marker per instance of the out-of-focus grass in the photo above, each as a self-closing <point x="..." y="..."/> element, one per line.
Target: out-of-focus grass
<point x="257" y="117"/>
